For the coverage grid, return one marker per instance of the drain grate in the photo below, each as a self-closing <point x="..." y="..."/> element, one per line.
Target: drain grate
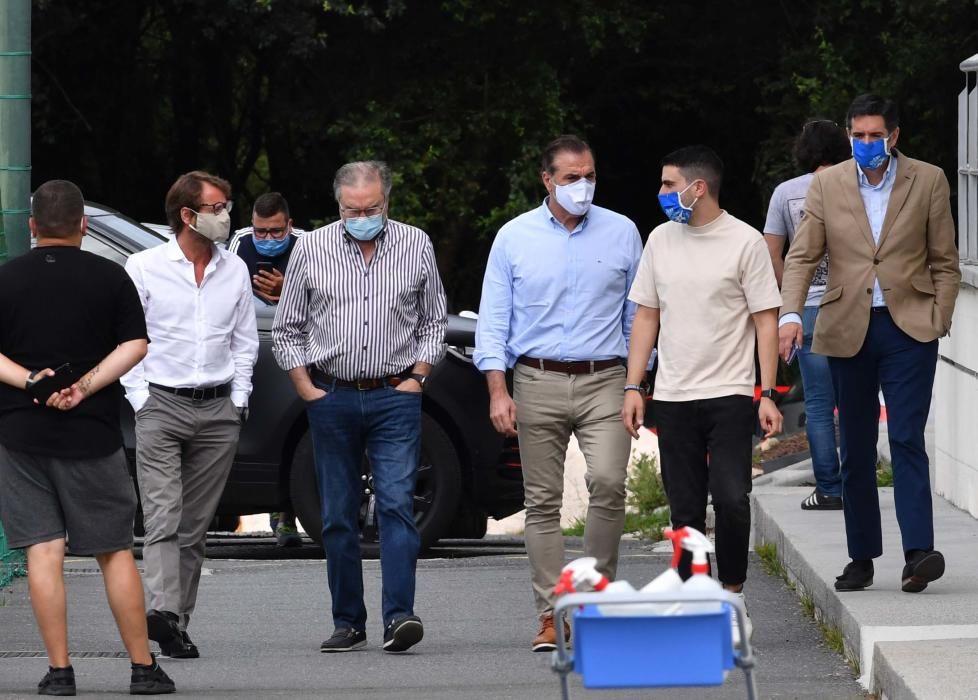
<point x="74" y="654"/>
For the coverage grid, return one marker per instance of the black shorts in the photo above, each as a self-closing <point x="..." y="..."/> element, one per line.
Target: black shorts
<point x="43" y="498"/>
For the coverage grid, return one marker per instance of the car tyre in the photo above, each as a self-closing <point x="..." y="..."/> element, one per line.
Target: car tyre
<point x="436" y="495"/>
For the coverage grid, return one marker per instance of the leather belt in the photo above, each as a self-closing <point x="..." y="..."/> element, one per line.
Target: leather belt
<point x="880" y="309"/>
<point x="572" y="367"/>
<point x="200" y="394"/>
<point x="365" y="384"/>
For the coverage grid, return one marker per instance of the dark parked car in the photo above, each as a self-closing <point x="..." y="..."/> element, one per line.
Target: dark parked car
<point x="467" y="471"/>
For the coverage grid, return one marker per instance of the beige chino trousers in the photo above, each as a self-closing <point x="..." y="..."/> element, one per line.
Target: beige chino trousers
<point x="549" y="407"/>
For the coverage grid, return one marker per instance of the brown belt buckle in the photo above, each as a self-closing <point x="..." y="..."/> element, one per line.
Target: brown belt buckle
<point x="361" y="385"/>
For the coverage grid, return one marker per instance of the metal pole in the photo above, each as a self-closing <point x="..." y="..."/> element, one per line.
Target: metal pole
<point x="15" y="126"/>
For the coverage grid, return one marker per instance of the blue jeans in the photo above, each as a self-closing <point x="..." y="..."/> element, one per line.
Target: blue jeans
<point x="816" y="378"/>
<point x="904" y="369"/>
<point x="387" y="424"/>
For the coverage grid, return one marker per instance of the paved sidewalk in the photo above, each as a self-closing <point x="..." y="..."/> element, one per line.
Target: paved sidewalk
<point x="907" y="645"/>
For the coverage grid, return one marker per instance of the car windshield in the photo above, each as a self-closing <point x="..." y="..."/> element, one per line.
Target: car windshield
<point x="123" y="227"/>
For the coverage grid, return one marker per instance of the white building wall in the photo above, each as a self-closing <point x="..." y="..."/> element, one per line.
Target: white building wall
<point x="955" y="411"/>
<point x="954" y="463"/>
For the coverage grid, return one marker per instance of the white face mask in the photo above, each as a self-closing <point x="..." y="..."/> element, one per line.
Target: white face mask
<point x="214" y="227"/>
<point x="576" y="197"/>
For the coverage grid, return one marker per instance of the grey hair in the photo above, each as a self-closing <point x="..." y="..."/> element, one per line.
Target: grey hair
<point x="358" y="171"/>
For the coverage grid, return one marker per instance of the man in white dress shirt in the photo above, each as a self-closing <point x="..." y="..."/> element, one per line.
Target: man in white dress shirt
<point x="190" y="394"/>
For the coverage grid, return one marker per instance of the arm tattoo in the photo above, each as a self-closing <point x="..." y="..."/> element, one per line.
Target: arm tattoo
<point x="85" y="385"/>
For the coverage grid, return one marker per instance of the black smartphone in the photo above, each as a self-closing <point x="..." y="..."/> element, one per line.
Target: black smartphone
<point x="792" y="354"/>
<point x="63" y="377"/>
<point x="264" y="266"/>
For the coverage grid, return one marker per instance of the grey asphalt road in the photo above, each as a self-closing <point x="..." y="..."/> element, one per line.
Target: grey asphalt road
<point x="261" y="618"/>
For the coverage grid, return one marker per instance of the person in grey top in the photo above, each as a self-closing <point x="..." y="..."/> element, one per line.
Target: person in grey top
<point x="359" y="326"/>
<point x="820" y="144"/>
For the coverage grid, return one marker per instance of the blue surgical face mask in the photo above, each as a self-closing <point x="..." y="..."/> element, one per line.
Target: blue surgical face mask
<point x="870" y="155"/>
<point x="673" y="207"/>
<point x="272" y="247"/>
<point x="365" y="228"/>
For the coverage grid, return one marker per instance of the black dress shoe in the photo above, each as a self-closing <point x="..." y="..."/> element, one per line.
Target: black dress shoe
<point x="163" y="629"/>
<point x="857" y="575"/>
<point x="922" y="568"/>
<point x="180" y="649"/>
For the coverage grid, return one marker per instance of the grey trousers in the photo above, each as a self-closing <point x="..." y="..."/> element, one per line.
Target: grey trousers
<point x="184" y="451"/>
<point x="549" y="407"/>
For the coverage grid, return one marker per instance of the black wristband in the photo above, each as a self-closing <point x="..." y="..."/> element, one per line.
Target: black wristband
<point x="30" y="379"/>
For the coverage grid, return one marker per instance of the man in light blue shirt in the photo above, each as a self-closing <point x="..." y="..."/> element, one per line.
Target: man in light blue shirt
<point x="554" y="307"/>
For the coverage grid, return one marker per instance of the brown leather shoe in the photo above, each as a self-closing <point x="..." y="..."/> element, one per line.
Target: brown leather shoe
<point x="546" y="639"/>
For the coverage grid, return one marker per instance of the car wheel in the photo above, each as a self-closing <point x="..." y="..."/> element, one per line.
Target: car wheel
<point x="436" y="493"/>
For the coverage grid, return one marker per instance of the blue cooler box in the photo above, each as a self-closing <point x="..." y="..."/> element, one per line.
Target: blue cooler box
<point x="646" y="651"/>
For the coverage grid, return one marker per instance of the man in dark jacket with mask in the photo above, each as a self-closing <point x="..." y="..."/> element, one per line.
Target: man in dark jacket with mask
<point x="267" y="244"/>
<point x="190" y="394"/>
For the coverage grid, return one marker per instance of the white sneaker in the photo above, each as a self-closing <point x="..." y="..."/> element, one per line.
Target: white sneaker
<point x="733" y="621"/>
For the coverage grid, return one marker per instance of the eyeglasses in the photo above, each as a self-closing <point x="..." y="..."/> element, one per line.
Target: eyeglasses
<point x="217" y="207"/>
<point x="360" y="213"/>
<point x="263" y="233"/>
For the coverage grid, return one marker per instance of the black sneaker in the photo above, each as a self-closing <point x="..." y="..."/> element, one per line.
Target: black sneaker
<point x="819" y="501"/>
<point x="57" y="681"/>
<point x="922" y="568"/>
<point x="403" y="633"/>
<point x="344" y="639"/>
<point x="150" y="680"/>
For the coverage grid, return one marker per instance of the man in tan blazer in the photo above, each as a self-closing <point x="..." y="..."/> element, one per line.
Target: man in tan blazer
<point x="885" y="221"/>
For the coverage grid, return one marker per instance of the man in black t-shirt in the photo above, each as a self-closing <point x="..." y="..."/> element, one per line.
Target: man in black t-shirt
<point x="266" y="245"/>
<point x="63" y="472"/>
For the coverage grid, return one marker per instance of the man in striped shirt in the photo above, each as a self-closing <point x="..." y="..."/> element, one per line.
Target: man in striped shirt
<point x="360" y="324"/>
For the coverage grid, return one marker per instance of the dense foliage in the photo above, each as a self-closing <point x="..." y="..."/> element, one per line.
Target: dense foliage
<point x="459" y="96"/>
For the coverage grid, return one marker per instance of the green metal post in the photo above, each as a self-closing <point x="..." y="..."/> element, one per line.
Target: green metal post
<point x="15" y="126"/>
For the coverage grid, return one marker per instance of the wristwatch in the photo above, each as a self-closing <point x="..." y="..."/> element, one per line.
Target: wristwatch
<point x="419" y="378"/>
<point x="770" y="394"/>
<point x="643" y="390"/>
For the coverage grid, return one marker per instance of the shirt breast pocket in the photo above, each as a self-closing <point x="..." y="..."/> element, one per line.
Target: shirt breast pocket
<point x="604" y="276"/>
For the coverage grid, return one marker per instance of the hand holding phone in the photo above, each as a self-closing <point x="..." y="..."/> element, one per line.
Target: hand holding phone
<point x="63" y="377"/>
<point x="264" y="266"/>
<point x="792" y="355"/>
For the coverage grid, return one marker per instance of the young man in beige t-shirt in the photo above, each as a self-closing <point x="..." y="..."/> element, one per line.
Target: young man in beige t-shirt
<point x="705" y="278"/>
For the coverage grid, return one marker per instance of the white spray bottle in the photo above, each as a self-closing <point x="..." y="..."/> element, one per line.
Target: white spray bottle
<point x="669" y="580"/>
<point x="701" y="581"/>
<point x="581" y="576"/>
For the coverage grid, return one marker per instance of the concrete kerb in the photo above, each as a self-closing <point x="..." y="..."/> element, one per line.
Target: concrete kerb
<point x="799" y="474"/>
<point x="827" y="606"/>
<point x="928" y="642"/>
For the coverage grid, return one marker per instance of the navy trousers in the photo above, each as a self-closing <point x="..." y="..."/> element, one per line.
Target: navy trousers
<point x="904" y="369"/>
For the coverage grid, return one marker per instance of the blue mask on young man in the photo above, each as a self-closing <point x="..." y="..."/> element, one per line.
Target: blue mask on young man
<point x="365" y="228"/>
<point x="673" y="207"/>
<point x="272" y="247"/>
<point x="870" y="155"/>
